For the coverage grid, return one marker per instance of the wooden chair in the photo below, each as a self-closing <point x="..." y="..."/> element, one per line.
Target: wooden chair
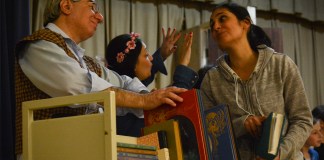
<point x="85" y="137"/>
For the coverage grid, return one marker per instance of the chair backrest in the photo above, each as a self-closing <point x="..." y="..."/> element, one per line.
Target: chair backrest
<point x="85" y="137"/>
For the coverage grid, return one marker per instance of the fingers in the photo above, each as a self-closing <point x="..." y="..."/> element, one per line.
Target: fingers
<point x="173" y="49"/>
<point x="188" y="39"/>
<point x="171" y="35"/>
<point x="172" y="98"/>
<point x="163" y="32"/>
<point x="185" y="51"/>
<point x="250" y="127"/>
<point x="172" y="95"/>
<point x="176" y="37"/>
<point x="176" y="89"/>
<point x="253" y="125"/>
<point x="169" y="30"/>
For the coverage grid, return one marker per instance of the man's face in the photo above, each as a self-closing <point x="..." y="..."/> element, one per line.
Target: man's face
<point x="86" y="18"/>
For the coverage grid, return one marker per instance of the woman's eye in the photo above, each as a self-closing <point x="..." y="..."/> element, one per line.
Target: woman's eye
<point x="222" y="18"/>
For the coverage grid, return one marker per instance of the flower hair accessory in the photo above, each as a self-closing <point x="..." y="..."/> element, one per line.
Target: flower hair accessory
<point x="130" y="46"/>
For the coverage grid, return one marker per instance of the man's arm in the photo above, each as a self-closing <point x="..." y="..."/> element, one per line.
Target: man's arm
<point x="147" y="101"/>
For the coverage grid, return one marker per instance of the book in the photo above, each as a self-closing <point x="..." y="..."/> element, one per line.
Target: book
<point x="126" y="139"/>
<point x="158" y="139"/>
<point x="136" y="150"/>
<point x="219" y="134"/>
<point x="271" y="135"/>
<point x="191" y="117"/>
<point x="173" y="136"/>
<point x="134" y="156"/>
<point x="136" y="146"/>
<point x="163" y="154"/>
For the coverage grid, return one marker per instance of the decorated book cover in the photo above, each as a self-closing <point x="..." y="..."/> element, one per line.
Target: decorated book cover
<point x="188" y="115"/>
<point x="220" y="136"/>
<point x="196" y="138"/>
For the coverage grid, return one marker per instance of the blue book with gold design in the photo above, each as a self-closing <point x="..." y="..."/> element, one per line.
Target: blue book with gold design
<point x="220" y="137"/>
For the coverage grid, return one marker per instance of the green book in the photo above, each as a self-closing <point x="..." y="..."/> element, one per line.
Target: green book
<point x="269" y="143"/>
<point x="136" y="146"/>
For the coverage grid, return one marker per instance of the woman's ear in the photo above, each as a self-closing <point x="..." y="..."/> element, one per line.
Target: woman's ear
<point x="66" y="6"/>
<point x="246" y="23"/>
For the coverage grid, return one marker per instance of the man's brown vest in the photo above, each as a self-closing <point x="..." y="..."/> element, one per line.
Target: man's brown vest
<point x="26" y="90"/>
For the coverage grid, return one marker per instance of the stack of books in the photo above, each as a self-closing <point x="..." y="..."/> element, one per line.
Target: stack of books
<point x="127" y="151"/>
<point x="151" y="146"/>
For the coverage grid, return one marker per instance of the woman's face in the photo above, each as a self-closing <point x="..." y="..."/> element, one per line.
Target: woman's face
<point x="226" y="29"/>
<point x="144" y="65"/>
<point x="315" y="137"/>
<point x="322" y="129"/>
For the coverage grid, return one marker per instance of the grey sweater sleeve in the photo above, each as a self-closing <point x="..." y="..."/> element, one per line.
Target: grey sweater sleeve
<point x="297" y="111"/>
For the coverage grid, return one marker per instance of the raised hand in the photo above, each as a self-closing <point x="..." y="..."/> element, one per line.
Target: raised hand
<point x="185" y="50"/>
<point x="168" y="45"/>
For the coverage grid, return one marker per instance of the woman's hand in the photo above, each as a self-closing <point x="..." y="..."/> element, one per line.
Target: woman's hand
<point x="168" y="45"/>
<point x="253" y="124"/>
<point x="185" y="51"/>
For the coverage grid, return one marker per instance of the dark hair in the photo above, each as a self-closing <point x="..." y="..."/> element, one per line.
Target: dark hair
<point x="201" y="74"/>
<point x="256" y="35"/>
<point x="118" y="45"/>
<point x="318" y="112"/>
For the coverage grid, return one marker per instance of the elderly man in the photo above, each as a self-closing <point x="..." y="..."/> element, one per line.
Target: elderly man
<point x="50" y="63"/>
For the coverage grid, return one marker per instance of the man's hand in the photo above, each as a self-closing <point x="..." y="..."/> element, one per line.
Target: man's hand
<point x="158" y="97"/>
<point x="149" y="100"/>
<point x="253" y="124"/>
<point x="185" y="50"/>
<point x="168" y="45"/>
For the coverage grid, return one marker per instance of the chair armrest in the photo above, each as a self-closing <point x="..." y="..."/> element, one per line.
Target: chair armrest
<point x="105" y="125"/>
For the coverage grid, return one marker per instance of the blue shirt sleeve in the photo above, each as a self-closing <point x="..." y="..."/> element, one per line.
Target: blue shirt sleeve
<point x="184" y="77"/>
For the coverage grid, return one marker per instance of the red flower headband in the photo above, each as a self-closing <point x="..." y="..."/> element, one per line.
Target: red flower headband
<point x="130" y="45"/>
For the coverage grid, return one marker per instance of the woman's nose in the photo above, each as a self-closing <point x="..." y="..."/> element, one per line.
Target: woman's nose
<point x="216" y="26"/>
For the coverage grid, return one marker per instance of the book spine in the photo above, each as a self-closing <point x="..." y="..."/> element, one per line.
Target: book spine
<point x="163" y="142"/>
<point x="138" y="151"/>
<point x="163" y="154"/>
<point x="134" y="156"/>
<point x="137" y="146"/>
<point x="204" y="127"/>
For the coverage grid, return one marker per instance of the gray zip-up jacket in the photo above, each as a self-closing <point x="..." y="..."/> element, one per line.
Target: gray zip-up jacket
<point x="274" y="86"/>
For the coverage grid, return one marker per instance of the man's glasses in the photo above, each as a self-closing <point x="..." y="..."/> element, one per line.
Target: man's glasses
<point x="94" y="7"/>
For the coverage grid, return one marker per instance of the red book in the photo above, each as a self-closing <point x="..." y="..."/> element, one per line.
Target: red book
<point x="188" y="114"/>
